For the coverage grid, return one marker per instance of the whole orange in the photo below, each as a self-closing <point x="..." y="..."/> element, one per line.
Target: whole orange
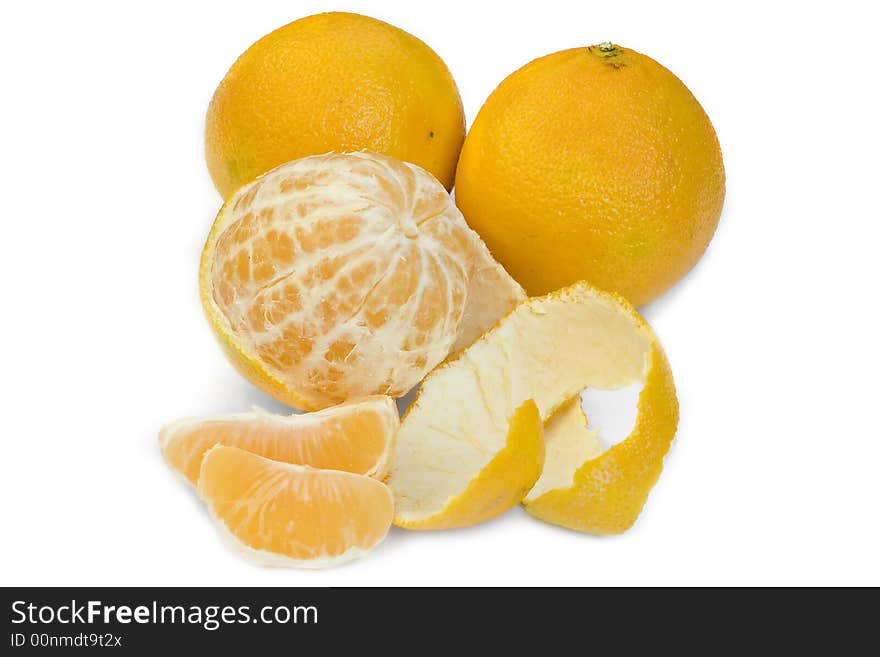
<point x="333" y="82"/>
<point x="593" y="164"/>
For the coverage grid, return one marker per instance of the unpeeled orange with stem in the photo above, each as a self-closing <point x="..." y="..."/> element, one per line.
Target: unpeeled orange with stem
<point x="280" y="514"/>
<point x="593" y="164"/>
<point x="355" y="437"/>
<point x="340" y="276"/>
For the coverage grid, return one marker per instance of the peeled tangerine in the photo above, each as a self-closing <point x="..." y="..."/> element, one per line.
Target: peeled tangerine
<point x="356" y="437"/>
<point x="280" y="514"/>
<point x="345" y="275"/>
<point x="474" y="409"/>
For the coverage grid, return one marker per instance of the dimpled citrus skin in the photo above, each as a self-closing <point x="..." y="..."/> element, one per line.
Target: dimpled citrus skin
<point x="333" y="82"/>
<point x="593" y="163"/>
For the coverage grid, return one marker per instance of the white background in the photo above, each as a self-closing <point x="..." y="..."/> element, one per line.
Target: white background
<point x="773" y="338"/>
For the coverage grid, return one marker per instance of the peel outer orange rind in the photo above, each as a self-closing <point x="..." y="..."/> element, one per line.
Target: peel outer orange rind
<point x="608" y="492"/>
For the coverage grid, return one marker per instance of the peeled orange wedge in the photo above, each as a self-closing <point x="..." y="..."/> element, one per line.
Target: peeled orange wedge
<point x="547" y="349"/>
<point x="355" y="437"/>
<point x="280" y="514"/>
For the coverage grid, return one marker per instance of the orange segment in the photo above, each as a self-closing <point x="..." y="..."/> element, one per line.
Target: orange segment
<point x="355" y="437"/>
<point x="291" y="515"/>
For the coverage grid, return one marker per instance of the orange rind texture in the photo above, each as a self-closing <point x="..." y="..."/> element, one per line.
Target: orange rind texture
<point x="335" y="82"/>
<point x="593" y="164"/>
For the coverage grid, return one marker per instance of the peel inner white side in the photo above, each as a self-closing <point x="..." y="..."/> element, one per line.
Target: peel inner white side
<point x="547" y="349"/>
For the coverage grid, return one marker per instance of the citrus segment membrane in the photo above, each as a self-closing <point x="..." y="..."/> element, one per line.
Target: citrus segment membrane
<point x="547" y="349"/>
<point x="492" y="294"/>
<point x="339" y="276"/>
<point x="355" y="437"/>
<point x="280" y="514"/>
